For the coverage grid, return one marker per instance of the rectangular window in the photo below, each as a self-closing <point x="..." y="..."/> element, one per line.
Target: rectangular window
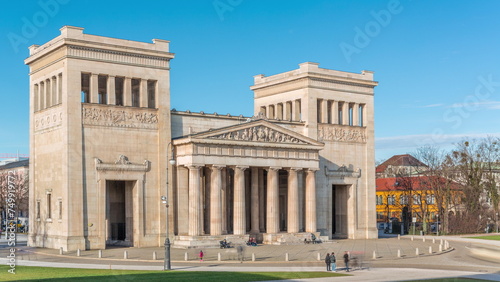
<point x="329" y="111"/>
<point x="102" y="92"/>
<point x="263" y="110"/>
<point x="318" y="110"/>
<point x="136" y="92"/>
<point x="151" y="94"/>
<point x="54" y="92"/>
<point x="360" y="113"/>
<point x="49" y="207"/>
<point x="351" y="115"/>
<point x="119" y="81"/>
<point x="37" y="209"/>
<point x="60" y="208"/>
<point x="41" y="96"/>
<point x="403" y="200"/>
<point x="341" y="115"/>
<point x="416" y="199"/>
<point x="85" y="88"/>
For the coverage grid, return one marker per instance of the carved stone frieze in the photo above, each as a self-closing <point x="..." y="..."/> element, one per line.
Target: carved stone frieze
<point x="343" y="172"/>
<point x="341" y="133"/>
<point x="120" y="117"/>
<point x="259" y="134"/>
<point x="122" y="164"/>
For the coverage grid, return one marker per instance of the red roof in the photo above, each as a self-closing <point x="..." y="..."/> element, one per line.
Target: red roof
<point x="413" y="183"/>
<point x="399" y="160"/>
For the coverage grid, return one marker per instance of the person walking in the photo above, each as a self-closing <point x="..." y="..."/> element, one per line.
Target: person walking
<point x="328" y="262"/>
<point x="201" y="255"/>
<point x="333" y="261"/>
<point x="346" y="260"/>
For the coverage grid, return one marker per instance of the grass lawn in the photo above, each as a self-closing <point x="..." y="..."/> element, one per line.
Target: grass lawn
<point x="491" y="237"/>
<point x="73" y="274"/>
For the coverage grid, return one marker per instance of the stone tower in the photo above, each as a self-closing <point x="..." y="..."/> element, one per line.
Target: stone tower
<point x="99" y="131"/>
<point x="335" y="108"/>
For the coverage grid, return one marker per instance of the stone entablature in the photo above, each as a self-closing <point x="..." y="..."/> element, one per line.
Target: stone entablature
<point x="48" y="119"/>
<point x="127" y="58"/>
<point x="122" y="164"/>
<point x="341" y="133"/>
<point x="118" y="116"/>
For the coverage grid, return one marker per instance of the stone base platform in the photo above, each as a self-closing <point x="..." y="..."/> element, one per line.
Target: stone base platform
<point x="208" y="241"/>
<point x="288" y="238"/>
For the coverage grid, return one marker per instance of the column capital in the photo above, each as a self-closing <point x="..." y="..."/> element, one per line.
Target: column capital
<point x="194" y="166"/>
<point x="218" y="167"/>
<point x="241" y="167"/>
<point x="273" y="168"/>
<point x="312" y="169"/>
<point x="295" y="169"/>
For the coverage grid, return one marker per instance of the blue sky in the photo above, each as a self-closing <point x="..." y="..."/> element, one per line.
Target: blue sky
<point x="437" y="62"/>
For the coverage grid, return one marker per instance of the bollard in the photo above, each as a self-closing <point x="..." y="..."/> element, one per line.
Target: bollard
<point x="99" y="254"/>
<point x="399" y="237"/>
<point x="286" y="256"/>
<point x="440" y="248"/>
<point x="430" y="250"/>
<point x="423" y="239"/>
<point x="319" y="257"/>
<point x="374" y="255"/>
<point x="154" y="256"/>
<point x="218" y="257"/>
<point x="399" y="253"/>
<point x="78" y="252"/>
<point x="125" y="255"/>
<point x="441" y="242"/>
<point x="253" y="256"/>
<point x="433" y="240"/>
<point x="186" y="256"/>
<point x="417" y="252"/>
<point x="412" y="238"/>
<point x="61" y="251"/>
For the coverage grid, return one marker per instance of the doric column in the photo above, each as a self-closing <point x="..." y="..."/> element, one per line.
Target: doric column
<point x="254" y="201"/>
<point x="216" y="201"/>
<point x="262" y="203"/>
<point x="94" y="88"/>
<point x="355" y="114"/>
<point x="311" y="200"/>
<point x="239" y="201"/>
<point x="272" y="200"/>
<point x="293" y="201"/>
<point x="111" y="90"/>
<point x="144" y="93"/>
<point x="127" y="92"/>
<point x="324" y="111"/>
<point x="194" y="200"/>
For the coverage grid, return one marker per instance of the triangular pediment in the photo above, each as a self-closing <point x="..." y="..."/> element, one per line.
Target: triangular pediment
<point x="257" y="131"/>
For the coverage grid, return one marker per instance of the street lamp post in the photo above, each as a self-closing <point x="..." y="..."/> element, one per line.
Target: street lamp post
<point x="496" y="220"/>
<point x="164" y="199"/>
<point x="437" y="225"/>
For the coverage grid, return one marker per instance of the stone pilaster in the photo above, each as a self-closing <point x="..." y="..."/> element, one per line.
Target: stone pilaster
<point x="111" y="90"/>
<point x="127" y="92"/>
<point x="94" y="88"/>
<point x="144" y="93"/>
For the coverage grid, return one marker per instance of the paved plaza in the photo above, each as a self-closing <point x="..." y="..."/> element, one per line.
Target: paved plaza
<point x="456" y="261"/>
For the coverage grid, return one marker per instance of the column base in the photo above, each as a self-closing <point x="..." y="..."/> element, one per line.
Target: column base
<point x="288" y="238"/>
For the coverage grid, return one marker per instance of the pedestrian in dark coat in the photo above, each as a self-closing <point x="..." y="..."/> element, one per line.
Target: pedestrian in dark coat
<point x="333" y="261"/>
<point x="346" y="260"/>
<point x="328" y="262"/>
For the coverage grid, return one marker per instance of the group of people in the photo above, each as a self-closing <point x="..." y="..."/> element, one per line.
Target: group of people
<point x="252" y="242"/>
<point x="331" y="261"/>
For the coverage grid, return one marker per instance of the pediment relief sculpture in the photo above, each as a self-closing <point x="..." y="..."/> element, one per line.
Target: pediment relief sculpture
<point x="258" y="134"/>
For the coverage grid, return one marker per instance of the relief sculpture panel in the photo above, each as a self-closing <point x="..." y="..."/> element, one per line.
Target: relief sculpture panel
<point x="120" y="117"/>
<point x="260" y="134"/>
<point x="341" y="133"/>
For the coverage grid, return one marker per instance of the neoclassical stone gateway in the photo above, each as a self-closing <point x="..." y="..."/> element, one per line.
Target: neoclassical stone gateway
<point x="102" y="134"/>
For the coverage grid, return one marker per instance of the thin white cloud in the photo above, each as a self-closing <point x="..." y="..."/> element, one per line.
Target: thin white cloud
<point x="419" y="140"/>
<point x="432" y="106"/>
<point x="490" y="105"/>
